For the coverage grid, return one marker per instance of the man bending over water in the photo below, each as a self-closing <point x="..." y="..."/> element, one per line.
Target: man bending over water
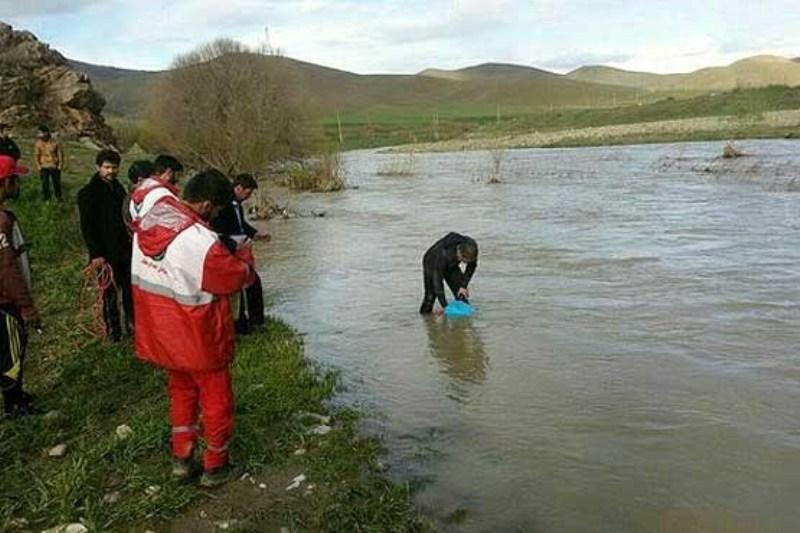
<point x="442" y="263"/>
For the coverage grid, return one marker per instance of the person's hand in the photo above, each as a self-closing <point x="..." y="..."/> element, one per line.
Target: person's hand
<point x="98" y="262"/>
<point x="438" y="311"/>
<point x="463" y="292"/>
<point x="263" y="236"/>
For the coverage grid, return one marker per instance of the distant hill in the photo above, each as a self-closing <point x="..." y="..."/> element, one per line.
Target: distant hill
<point x="126" y="91"/>
<point x="464" y="92"/>
<point x="757" y="71"/>
<point x="328" y="91"/>
<point x="491" y="71"/>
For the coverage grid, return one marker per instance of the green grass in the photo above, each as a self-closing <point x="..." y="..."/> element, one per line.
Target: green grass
<point x="393" y="126"/>
<point x="94" y="387"/>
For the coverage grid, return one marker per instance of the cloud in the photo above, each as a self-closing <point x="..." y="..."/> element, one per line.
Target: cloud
<point x="404" y="36"/>
<point x="42" y="8"/>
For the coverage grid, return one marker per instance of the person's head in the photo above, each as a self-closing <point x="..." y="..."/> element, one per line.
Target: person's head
<point x="43" y="132"/>
<point x="243" y="186"/>
<point x="467" y="252"/>
<point x="207" y="192"/>
<point x="107" y="162"/>
<point x="5" y="129"/>
<point x="9" y="177"/>
<point x="140" y="170"/>
<point x="167" y="168"/>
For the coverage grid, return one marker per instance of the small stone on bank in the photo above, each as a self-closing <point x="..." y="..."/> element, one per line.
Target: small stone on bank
<point x="52" y="415"/>
<point x="322" y="429"/>
<point x="77" y="527"/>
<point x="300" y="451"/>
<point x="152" y="490"/>
<point x="112" y="497"/>
<point x="59" y="450"/>
<point x="262" y="486"/>
<point x="296" y="482"/>
<point x="322" y="419"/>
<point x="123" y="431"/>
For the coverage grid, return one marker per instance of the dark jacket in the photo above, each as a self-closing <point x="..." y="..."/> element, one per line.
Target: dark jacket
<point x="441" y="261"/>
<point x="9" y="147"/>
<point x="232" y="222"/>
<point x="100" y="207"/>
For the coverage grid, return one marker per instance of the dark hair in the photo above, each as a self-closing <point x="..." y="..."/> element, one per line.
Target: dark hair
<point x="140" y="170"/>
<point x="247" y="181"/>
<point x="208" y="185"/>
<point x="166" y="162"/>
<point x="468" y="251"/>
<point x="44" y="129"/>
<point x="107" y="156"/>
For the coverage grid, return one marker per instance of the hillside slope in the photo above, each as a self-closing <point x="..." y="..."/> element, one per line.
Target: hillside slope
<point x="327" y="91"/>
<point x="757" y="71"/>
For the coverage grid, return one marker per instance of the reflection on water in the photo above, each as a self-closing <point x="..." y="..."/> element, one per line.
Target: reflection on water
<point x="456" y="345"/>
<point x="633" y="365"/>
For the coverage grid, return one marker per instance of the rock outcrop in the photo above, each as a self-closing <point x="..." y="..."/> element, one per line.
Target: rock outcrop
<point x="38" y="86"/>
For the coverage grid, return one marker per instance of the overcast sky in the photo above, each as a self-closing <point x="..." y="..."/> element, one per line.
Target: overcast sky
<point x="392" y="36"/>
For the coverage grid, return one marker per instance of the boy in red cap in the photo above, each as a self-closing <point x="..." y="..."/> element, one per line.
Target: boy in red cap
<point x="17" y="311"/>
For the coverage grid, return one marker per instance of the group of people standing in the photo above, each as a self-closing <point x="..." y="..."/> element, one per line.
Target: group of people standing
<point x="177" y="259"/>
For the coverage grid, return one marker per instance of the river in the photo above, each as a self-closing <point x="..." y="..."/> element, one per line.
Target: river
<point x="633" y="364"/>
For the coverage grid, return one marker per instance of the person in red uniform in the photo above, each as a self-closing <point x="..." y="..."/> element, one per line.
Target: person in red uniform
<point x="182" y="277"/>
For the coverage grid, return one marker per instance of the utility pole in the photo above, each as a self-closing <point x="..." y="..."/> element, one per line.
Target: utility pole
<point x="339" y="125"/>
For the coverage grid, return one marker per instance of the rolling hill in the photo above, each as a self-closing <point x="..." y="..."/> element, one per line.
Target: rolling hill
<point x="757" y="71"/>
<point x="328" y="91"/>
<point x="491" y="71"/>
<point x="477" y="89"/>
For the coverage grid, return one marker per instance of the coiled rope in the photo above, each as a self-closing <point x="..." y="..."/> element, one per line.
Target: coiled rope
<point x="98" y="280"/>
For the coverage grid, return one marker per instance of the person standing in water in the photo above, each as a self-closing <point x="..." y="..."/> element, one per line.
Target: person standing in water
<point x="441" y="263"/>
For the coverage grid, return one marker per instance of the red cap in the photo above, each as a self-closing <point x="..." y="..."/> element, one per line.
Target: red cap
<point x="9" y="167"/>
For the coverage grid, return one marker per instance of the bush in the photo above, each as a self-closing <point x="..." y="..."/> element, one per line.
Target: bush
<point x="323" y="173"/>
<point x="230" y="107"/>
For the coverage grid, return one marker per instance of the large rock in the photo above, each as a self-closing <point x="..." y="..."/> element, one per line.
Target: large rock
<point x="37" y="86"/>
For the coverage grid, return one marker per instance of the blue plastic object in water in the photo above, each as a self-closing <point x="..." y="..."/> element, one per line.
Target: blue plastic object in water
<point x="458" y="308"/>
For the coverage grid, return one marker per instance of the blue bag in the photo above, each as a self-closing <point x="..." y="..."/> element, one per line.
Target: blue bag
<point x="458" y="308"/>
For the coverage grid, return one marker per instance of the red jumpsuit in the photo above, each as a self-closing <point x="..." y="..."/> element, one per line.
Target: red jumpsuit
<point x="182" y="277"/>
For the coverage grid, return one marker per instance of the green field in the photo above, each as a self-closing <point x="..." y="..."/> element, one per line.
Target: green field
<point x="393" y="126"/>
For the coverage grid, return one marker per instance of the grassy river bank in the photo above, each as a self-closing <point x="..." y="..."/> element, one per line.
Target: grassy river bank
<point x="114" y="479"/>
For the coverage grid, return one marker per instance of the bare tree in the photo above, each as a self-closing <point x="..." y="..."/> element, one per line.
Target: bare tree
<point x="228" y="106"/>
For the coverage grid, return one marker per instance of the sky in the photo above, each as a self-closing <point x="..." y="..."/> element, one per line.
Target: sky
<point x="391" y="36"/>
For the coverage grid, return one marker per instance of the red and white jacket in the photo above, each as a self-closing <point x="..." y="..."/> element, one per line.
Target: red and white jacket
<point x="181" y="276"/>
<point x="147" y="194"/>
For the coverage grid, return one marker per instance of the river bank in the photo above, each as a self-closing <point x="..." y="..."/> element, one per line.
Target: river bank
<point x="105" y="414"/>
<point x="773" y="124"/>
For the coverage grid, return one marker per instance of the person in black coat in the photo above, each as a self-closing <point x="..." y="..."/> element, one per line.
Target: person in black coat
<point x="441" y="263"/>
<point x="107" y="239"/>
<point x="233" y="228"/>
<point x="7" y="144"/>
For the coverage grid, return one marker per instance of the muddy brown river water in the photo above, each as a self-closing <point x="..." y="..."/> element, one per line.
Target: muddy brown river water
<point x="634" y="362"/>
